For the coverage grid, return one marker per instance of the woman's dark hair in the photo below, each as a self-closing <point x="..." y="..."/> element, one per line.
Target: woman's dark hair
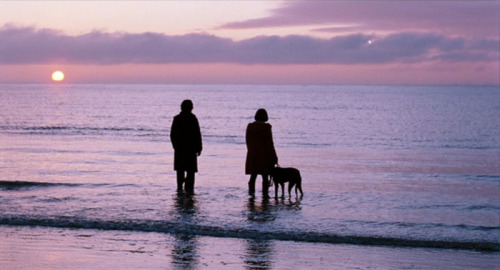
<point x="186" y="106"/>
<point x="261" y="115"/>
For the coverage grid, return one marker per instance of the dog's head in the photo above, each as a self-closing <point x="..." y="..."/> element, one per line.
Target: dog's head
<point x="273" y="172"/>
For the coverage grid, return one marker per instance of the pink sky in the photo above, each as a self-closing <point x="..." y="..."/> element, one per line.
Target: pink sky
<point x="359" y="42"/>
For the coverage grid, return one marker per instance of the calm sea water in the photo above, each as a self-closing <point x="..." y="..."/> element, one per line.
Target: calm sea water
<point x="398" y="166"/>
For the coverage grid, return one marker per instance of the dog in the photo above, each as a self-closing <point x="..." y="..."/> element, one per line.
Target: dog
<point x="282" y="175"/>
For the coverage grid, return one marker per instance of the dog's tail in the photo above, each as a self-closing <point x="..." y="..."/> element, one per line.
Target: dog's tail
<point x="299" y="186"/>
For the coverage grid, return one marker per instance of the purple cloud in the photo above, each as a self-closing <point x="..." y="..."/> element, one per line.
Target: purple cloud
<point x="32" y="46"/>
<point x="477" y="18"/>
<point x="28" y="45"/>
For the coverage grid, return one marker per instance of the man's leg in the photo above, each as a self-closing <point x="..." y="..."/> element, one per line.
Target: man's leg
<point x="189" y="182"/>
<point x="251" y="184"/>
<point x="180" y="180"/>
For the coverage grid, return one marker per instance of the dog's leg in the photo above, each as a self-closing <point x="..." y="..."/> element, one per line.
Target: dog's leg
<point x="282" y="189"/>
<point x="290" y="186"/>
<point x="276" y="189"/>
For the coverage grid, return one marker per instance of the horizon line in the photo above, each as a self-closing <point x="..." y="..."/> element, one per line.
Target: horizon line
<point x="294" y="84"/>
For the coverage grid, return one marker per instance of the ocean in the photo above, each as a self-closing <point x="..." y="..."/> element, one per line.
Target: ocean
<point x="394" y="177"/>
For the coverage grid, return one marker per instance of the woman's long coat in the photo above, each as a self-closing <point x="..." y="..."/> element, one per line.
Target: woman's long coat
<point x="185" y="136"/>
<point x="261" y="155"/>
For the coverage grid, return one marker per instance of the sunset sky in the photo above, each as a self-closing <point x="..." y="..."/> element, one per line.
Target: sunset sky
<point x="357" y="42"/>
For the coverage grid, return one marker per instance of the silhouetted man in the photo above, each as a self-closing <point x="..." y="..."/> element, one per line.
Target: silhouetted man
<point x="186" y="139"/>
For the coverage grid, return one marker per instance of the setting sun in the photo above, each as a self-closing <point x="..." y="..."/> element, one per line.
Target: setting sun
<point x="58" y="76"/>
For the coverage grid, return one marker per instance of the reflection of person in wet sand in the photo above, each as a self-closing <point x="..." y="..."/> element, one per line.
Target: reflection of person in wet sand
<point x="259" y="254"/>
<point x="186" y="139"/>
<point x="259" y="251"/>
<point x="184" y="252"/>
<point x="261" y="155"/>
<point x="184" y="255"/>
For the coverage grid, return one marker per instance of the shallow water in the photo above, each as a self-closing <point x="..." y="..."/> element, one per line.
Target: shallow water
<point x="383" y="166"/>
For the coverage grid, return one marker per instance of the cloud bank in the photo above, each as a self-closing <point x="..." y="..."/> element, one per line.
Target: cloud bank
<point x="28" y="45"/>
<point x="470" y="18"/>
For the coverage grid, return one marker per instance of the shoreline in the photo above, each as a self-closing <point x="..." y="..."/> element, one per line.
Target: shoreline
<point x="56" y="248"/>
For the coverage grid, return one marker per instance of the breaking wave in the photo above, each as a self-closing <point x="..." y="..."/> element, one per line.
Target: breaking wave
<point x="22" y="185"/>
<point x="83" y="130"/>
<point x="173" y="227"/>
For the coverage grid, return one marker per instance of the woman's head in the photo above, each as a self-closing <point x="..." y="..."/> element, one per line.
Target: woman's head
<point x="261" y="115"/>
<point x="186" y="106"/>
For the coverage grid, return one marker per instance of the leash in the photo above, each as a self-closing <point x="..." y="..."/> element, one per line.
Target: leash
<point x="270" y="182"/>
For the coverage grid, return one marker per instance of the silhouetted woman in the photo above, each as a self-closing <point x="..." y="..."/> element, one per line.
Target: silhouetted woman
<point x="186" y="139"/>
<point x="261" y="155"/>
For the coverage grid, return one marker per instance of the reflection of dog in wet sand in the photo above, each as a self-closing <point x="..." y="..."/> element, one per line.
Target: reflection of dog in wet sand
<point x="282" y="175"/>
